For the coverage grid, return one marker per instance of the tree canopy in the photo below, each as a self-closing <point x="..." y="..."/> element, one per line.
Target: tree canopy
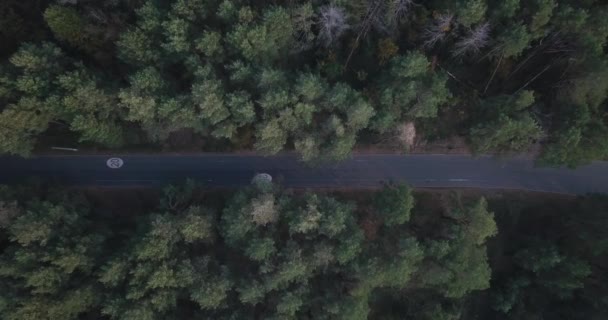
<point x="317" y="77"/>
<point x="263" y="252"/>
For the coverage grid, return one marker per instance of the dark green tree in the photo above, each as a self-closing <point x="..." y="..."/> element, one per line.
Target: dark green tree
<point x="506" y="125"/>
<point x="289" y="113"/>
<point x="149" y="103"/>
<point x="46" y="87"/>
<point x="394" y="204"/>
<point x="458" y="265"/>
<point x="408" y="91"/>
<point x="66" y="23"/>
<point x="156" y="271"/>
<point x="47" y="268"/>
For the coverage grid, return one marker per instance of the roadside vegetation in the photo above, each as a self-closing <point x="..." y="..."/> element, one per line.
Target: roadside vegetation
<point x="266" y="253"/>
<point x="317" y="77"/>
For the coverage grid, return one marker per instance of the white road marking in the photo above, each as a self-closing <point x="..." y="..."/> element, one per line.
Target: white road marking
<point x="115" y="163"/>
<point x="458" y="180"/>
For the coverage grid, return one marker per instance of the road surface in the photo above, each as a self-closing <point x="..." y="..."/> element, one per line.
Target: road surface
<point x="362" y="171"/>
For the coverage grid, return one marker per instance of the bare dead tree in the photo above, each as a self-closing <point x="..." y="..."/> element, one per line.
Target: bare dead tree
<point x="474" y="41"/>
<point x="376" y="16"/>
<point x="332" y="24"/>
<point x="368" y="20"/>
<point x="535" y="77"/>
<point x="438" y="30"/>
<point x="381" y="15"/>
<point x="451" y="75"/>
<point x="97" y="15"/>
<point x="397" y="10"/>
<point x="369" y="14"/>
<point x="493" y="74"/>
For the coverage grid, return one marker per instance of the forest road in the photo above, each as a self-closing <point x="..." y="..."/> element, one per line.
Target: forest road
<point x="361" y="171"/>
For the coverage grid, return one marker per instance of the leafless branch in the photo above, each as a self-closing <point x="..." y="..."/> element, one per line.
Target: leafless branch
<point x="473" y="42"/>
<point x="534" y="78"/>
<point x="397" y="10"/>
<point x="438" y="30"/>
<point x="97" y="15"/>
<point x="368" y="20"/>
<point x="332" y="24"/>
<point x="493" y="74"/>
<point x="451" y="75"/>
<point x="532" y="54"/>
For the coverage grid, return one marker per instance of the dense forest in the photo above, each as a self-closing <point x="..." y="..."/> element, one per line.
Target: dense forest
<point x="318" y="77"/>
<point x="267" y="253"/>
<point x="321" y="78"/>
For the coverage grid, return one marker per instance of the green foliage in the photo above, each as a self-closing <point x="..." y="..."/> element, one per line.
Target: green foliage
<point x="480" y="222"/>
<point x="323" y="236"/>
<point x="470" y="12"/>
<point x="409" y="91"/>
<point x="512" y="42"/>
<point x="312" y="77"/>
<point x="138" y="45"/>
<point x="52" y="88"/>
<point x="542" y="15"/>
<point x="176" y="35"/>
<point x="290" y="112"/>
<point x="582" y="130"/>
<point x="569" y="18"/>
<point x="556" y="264"/>
<point x="47" y="267"/>
<point x="93" y="110"/>
<point x="317" y="257"/>
<point x="156" y="268"/>
<point x="190" y="10"/>
<point x="394" y="204"/>
<point x="505" y="9"/>
<point x="395" y="272"/>
<point x="66" y="24"/>
<point x="460" y="266"/>
<point x="508" y="297"/>
<point x="209" y="96"/>
<point x="261" y="249"/>
<point x="544" y="269"/>
<point x="227" y="10"/>
<point x="210" y="45"/>
<point x="19" y="128"/>
<point x="507" y="127"/>
<point x="264" y="41"/>
<point x="147" y="103"/>
<point x="271" y="138"/>
<point x="595" y="32"/>
<point x="506" y="134"/>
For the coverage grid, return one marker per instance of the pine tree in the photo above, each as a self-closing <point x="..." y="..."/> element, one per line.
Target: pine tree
<point x="409" y="90"/>
<point x="156" y="269"/>
<point x="47" y="268"/>
<point x="67" y="24"/>
<point x="394" y="204"/>
<point x="505" y="124"/>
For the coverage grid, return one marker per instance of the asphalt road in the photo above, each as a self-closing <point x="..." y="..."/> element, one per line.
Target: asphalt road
<point x="222" y="170"/>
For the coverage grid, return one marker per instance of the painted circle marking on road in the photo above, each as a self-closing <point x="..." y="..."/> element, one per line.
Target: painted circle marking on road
<point x="115" y="163"/>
